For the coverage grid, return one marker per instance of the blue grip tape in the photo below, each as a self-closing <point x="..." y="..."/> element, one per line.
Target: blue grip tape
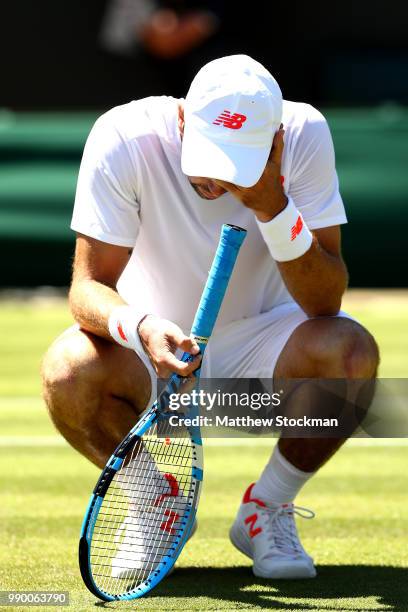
<point x="230" y="242"/>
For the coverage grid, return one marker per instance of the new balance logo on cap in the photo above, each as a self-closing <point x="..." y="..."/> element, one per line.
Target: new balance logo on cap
<point x="297" y="228"/>
<point x="230" y="120"/>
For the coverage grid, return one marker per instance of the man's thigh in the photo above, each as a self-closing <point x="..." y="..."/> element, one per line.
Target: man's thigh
<point x="89" y="364"/>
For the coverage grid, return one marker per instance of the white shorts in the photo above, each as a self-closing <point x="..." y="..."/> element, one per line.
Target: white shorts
<point x="248" y="348"/>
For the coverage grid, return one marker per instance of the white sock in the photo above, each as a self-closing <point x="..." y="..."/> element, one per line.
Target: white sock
<point x="280" y="481"/>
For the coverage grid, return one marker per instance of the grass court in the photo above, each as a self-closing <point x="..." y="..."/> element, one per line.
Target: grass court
<point x="358" y="538"/>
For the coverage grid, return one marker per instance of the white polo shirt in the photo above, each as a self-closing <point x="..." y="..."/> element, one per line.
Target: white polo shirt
<point x="131" y="192"/>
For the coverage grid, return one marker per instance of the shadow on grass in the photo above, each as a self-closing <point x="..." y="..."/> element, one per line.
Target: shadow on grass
<point x="388" y="585"/>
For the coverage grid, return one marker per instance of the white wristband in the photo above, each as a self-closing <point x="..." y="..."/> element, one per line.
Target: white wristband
<point x="123" y="322"/>
<point x="286" y="235"/>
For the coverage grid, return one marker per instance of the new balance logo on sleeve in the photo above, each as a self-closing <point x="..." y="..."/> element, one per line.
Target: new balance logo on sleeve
<point x="297" y="228"/>
<point x="230" y="120"/>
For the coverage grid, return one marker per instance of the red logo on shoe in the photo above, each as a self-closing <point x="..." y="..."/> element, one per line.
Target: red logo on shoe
<point x="230" y="120"/>
<point x="174" y="489"/>
<point x="251" y="520"/>
<point x="168" y="525"/>
<point x="297" y="228"/>
<point x="173" y="516"/>
<point x="247" y="497"/>
<point x="121" y="332"/>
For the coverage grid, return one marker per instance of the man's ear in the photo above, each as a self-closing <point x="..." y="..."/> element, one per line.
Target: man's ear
<point x="181" y="119"/>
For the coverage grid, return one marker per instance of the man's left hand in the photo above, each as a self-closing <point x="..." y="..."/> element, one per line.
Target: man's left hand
<point x="267" y="197"/>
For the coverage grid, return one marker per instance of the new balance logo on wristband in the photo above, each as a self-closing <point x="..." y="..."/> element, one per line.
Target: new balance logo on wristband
<point x="297" y="228"/>
<point x="230" y="120"/>
<point x="121" y="332"/>
<point x="287" y="235"/>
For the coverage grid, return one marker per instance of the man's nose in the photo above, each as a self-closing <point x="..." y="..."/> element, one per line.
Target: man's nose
<point x="215" y="189"/>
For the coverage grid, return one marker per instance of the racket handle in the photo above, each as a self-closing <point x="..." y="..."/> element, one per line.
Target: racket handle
<point x="225" y="257"/>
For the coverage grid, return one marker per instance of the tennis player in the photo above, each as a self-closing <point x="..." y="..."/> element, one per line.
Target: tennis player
<point x="158" y="178"/>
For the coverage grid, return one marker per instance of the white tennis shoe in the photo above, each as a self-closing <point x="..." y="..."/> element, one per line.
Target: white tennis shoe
<point x="135" y="557"/>
<point x="268" y="535"/>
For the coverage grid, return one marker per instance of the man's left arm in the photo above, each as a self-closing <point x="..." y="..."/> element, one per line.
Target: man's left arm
<point x="310" y="262"/>
<point x="318" y="279"/>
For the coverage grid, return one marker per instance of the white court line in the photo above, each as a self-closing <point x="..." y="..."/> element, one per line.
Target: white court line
<point x="27" y="441"/>
<point x="271" y="441"/>
<point x="58" y="441"/>
<point x="33" y="401"/>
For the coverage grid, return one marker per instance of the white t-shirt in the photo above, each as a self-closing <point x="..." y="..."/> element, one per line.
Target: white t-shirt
<point x="131" y="192"/>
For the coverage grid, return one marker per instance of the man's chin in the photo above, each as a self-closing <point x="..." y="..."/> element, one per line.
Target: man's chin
<point x="207" y="195"/>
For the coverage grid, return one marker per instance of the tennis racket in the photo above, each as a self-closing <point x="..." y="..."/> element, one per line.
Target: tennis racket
<point x="144" y="504"/>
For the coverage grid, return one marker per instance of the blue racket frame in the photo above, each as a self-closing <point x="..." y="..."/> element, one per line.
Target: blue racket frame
<point x="230" y="242"/>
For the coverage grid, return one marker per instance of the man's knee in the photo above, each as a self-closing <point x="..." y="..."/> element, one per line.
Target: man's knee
<point x="342" y="347"/>
<point x="329" y="347"/>
<point x="362" y="355"/>
<point x="69" y="369"/>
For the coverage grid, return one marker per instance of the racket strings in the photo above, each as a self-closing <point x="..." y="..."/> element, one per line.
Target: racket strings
<point x="145" y="510"/>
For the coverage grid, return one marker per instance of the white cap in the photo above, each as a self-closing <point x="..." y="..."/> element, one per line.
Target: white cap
<point x="231" y="113"/>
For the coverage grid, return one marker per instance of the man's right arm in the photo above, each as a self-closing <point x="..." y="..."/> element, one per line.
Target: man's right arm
<point x="93" y="295"/>
<point x="93" y="298"/>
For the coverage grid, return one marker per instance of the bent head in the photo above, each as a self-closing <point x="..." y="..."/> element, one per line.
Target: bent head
<point x="206" y="188"/>
<point x="232" y="111"/>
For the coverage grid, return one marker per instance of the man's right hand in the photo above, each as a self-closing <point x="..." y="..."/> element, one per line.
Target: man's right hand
<point x="161" y="339"/>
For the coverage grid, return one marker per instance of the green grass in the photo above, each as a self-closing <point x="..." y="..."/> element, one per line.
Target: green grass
<point x="358" y="537"/>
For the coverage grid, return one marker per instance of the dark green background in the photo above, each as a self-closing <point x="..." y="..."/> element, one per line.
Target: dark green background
<point x="39" y="161"/>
